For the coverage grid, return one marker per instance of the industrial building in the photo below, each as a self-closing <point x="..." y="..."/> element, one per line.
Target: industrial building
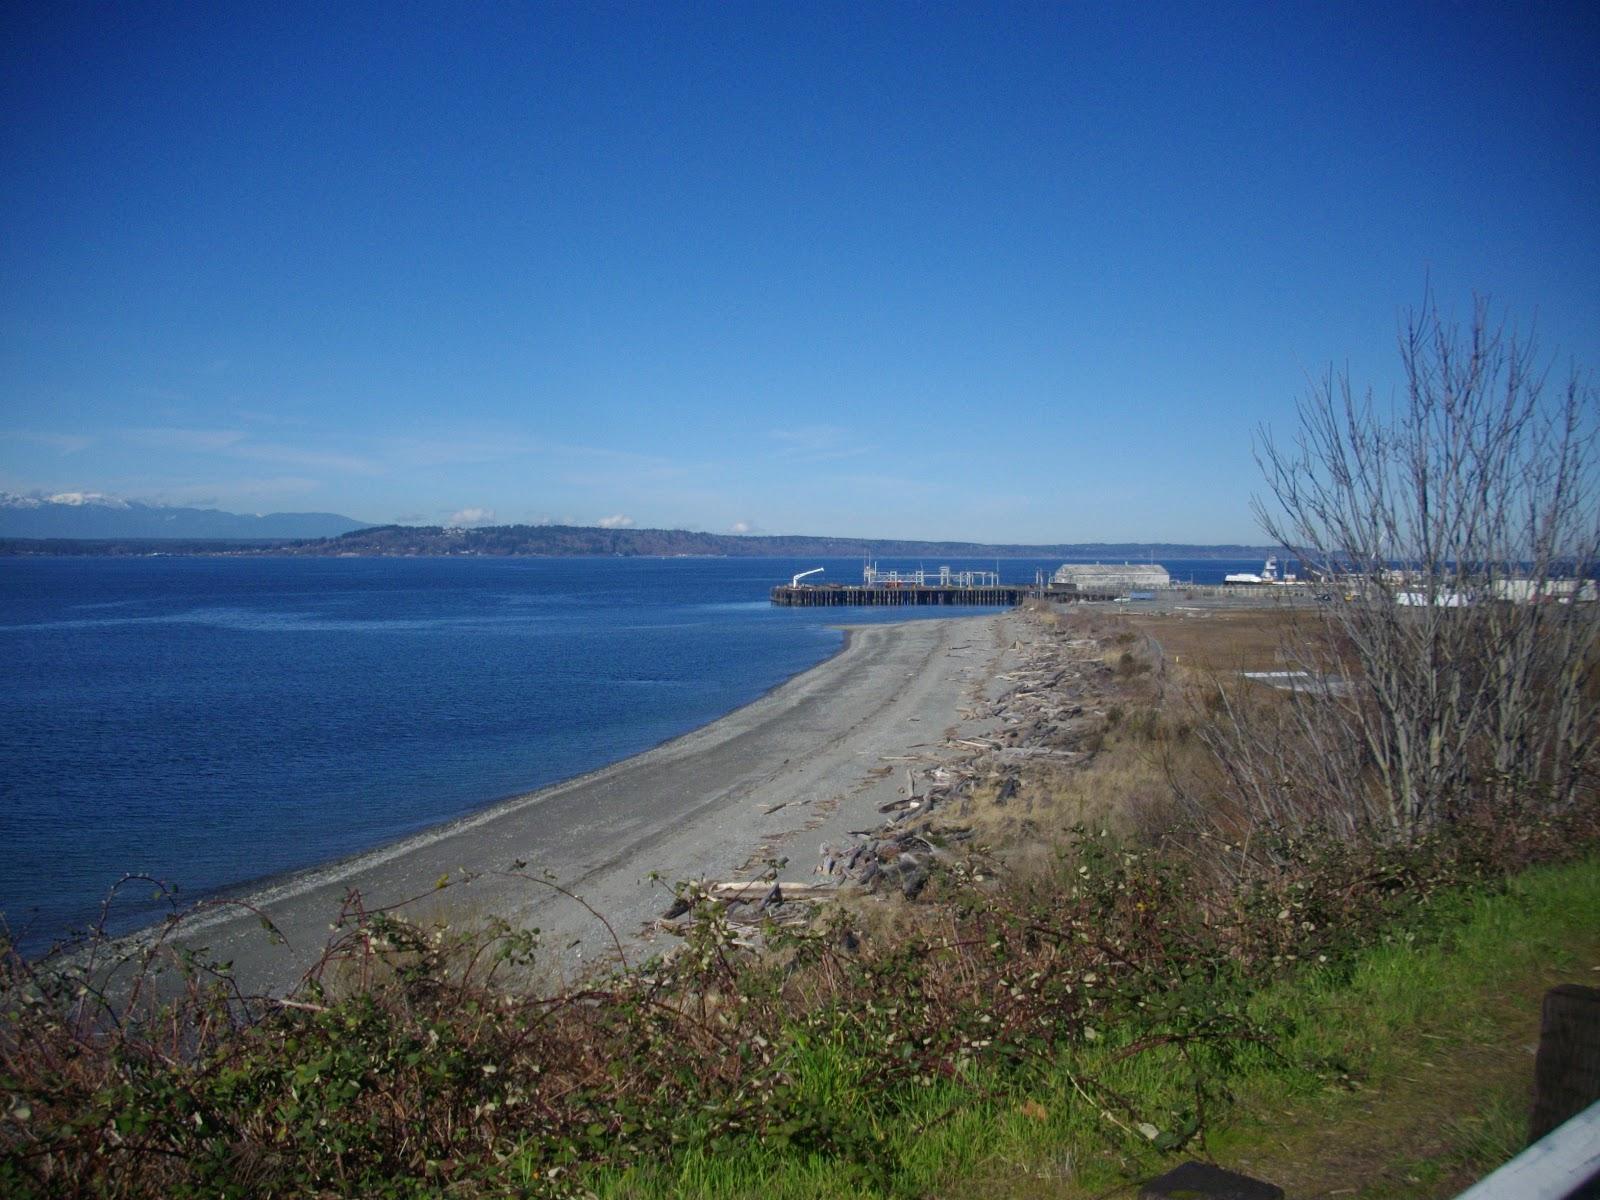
<point x="1111" y="577"/>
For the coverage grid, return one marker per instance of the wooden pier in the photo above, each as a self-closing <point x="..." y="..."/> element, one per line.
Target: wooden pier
<point x="835" y="595"/>
<point x="966" y="588"/>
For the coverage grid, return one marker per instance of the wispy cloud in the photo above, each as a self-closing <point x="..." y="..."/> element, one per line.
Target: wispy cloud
<point x="385" y="455"/>
<point x="618" y="521"/>
<point x="66" y="443"/>
<point x="819" y="443"/>
<point x="631" y="459"/>
<point x="232" y="491"/>
<point x="579" y="461"/>
<point x="744" y="527"/>
<point x="450" y="450"/>
<point x="236" y="443"/>
<point x="468" y="518"/>
<point x="900" y="487"/>
<point x="166" y="395"/>
<point x="310" y="459"/>
<point x="194" y="441"/>
<point x="257" y="416"/>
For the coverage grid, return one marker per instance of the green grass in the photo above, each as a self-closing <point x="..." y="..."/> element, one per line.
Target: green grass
<point x="1543" y="920"/>
<point x="1344" y="1030"/>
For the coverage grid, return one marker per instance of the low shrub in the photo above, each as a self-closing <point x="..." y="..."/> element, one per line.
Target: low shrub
<point x="429" y="1073"/>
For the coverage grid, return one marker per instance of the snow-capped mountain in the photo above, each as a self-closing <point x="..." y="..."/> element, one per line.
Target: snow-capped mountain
<point x="93" y="515"/>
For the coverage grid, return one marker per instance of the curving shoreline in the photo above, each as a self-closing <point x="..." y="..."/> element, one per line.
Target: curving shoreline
<point x="802" y="762"/>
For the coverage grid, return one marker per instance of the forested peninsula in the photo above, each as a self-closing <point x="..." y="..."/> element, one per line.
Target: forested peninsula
<point x="584" y="540"/>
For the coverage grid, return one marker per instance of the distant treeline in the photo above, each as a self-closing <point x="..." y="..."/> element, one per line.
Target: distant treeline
<point x="583" y="540"/>
<point x="136" y="547"/>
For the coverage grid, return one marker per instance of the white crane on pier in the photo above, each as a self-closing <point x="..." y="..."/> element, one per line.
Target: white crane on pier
<point x="795" y="582"/>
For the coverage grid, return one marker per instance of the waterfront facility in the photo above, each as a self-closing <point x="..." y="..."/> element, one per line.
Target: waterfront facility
<point x="1111" y="577"/>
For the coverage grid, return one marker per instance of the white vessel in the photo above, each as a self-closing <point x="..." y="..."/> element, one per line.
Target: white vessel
<point x="1269" y="573"/>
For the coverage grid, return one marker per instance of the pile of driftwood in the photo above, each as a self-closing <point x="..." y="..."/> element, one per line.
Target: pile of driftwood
<point x="1046" y="714"/>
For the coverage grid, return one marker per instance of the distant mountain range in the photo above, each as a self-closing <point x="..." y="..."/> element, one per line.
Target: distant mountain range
<point x="544" y="540"/>
<point x="78" y="523"/>
<point x="91" y="515"/>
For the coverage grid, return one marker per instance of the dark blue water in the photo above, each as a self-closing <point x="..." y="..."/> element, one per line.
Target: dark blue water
<point x="212" y="721"/>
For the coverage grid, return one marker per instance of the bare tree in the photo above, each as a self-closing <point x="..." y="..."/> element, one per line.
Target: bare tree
<point x="1447" y="528"/>
<point x="1291" y="761"/>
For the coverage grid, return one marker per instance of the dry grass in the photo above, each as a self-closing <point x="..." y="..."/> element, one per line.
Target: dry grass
<point x="1142" y="739"/>
<point x="1226" y="640"/>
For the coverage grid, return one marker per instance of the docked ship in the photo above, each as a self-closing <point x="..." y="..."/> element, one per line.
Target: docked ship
<point x="1269" y="574"/>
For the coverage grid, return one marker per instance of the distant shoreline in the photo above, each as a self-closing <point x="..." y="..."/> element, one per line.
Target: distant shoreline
<point x="569" y="541"/>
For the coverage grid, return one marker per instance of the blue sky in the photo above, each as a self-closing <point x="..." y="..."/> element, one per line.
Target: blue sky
<point x="1002" y="272"/>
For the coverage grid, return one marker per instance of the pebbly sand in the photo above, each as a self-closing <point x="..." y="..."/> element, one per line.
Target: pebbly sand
<point x="803" y="765"/>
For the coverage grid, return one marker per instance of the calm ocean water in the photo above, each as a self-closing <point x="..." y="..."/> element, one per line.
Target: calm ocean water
<point x="213" y="721"/>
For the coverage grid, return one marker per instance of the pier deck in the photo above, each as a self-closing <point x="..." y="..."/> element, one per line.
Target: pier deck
<point x="842" y="596"/>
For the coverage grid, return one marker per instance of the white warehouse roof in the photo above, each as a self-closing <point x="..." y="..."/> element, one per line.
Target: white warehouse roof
<point x="1098" y="577"/>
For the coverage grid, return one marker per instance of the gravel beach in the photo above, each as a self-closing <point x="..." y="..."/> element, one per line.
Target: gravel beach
<point x="804" y="764"/>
